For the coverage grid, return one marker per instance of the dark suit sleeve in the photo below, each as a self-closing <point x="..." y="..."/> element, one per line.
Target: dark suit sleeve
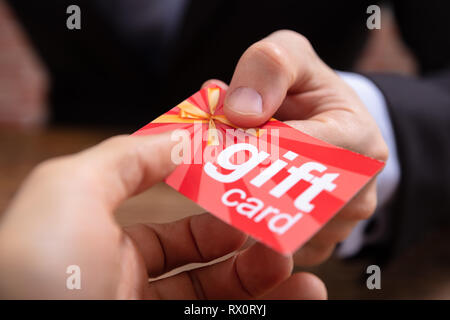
<point x="420" y="114"/>
<point x="419" y="108"/>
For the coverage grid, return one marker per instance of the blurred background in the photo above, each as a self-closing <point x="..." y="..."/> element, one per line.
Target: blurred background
<point x="51" y="107"/>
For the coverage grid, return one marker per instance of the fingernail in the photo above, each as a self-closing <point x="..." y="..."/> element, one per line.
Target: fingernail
<point x="245" y="100"/>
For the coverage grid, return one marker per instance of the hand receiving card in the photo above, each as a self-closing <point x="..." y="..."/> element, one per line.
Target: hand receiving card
<point x="274" y="182"/>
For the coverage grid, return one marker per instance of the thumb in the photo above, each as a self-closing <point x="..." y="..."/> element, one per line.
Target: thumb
<point x="124" y="166"/>
<point x="268" y="70"/>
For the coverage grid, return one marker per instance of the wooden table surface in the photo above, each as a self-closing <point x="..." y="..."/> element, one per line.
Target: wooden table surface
<point x="422" y="272"/>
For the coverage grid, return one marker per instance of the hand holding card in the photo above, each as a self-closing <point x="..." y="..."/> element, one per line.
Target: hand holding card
<point x="281" y="76"/>
<point x="275" y="183"/>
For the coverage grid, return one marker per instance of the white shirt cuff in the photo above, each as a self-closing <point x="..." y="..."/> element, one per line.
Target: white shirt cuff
<point x="388" y="180"/>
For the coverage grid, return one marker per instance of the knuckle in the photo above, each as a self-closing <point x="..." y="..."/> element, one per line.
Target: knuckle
<point x="363" y="204"/>
<point x="334" y="236"/>
<point x="372" y="203"/>
<point x="116" y="140"/>
<point x="304" y="43"/>
<point x="326" y="237"/>
<point x="53" y="171"/>
<point x="295" y="36"/>
<point x="49" y="172"/>
<point x="365" y="212"/>
<point x="364" y="208"/>
<point x="125" y="146"/>
<point x="130" y="149"/>
<point x="311" y="255"/>
<point x="381" y="151"/>
<point x="271" y="52"/>
<point x="377" y="147"/>
<point x="47" y="168"/>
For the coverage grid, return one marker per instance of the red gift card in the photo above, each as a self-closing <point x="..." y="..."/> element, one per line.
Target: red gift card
<point x="275" y="183"/>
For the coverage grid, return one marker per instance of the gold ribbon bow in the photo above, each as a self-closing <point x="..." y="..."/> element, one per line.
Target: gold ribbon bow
<point x="190" y="113"/>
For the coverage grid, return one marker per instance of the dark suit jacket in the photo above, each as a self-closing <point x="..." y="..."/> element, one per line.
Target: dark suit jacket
<point x="97" y="77"/>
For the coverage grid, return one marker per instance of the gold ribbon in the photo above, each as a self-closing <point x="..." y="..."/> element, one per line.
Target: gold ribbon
<point x="190" y="113"/>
